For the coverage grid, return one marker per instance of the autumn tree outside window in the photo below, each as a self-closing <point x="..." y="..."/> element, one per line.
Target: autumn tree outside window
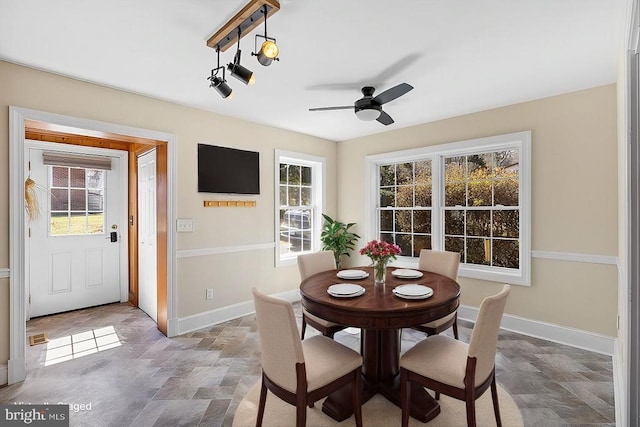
<point x="471" y="197"/>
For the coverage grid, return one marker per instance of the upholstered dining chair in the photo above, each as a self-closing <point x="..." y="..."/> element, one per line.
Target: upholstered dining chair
<point x="301" y="372"/>
<point x="457" y="369"/>
<point x="308" y="265"/>
<point x="445" y="263"/>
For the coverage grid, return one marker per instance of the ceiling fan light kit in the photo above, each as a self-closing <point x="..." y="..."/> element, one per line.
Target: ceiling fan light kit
<point x="369" y="113"/>
<point x="244" y="21"/>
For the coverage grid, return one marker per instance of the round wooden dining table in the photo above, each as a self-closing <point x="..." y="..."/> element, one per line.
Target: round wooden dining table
<point x="381" y="315"/>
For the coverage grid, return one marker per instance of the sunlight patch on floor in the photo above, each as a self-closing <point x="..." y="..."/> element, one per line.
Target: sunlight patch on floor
<point x="81" y="344"/>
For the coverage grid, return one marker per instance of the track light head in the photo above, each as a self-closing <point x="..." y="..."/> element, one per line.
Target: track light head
<point x="220" y="86"/>
<point x="238" y="71"/>
<point x="268" y="52"/>
<point x="241" y="73"/>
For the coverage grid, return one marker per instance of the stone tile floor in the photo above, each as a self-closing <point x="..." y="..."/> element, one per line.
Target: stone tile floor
<point x="126" y="373"/>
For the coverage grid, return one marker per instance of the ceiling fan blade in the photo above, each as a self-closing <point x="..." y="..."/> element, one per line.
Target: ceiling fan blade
<point x="385" y="119"/>
<point x="393" y="93"/>
<point x="344" y="107"/>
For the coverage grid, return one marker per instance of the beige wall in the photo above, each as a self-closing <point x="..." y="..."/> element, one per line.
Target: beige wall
<point x="574" y="199"/>
<point x="231" y="275"/>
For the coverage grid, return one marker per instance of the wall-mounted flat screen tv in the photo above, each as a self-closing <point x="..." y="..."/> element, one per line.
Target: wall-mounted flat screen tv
<point x="228" y="170"/>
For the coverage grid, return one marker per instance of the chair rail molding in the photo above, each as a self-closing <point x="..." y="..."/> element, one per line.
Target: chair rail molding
<point x="188" y="253"/>
<point x="5" y="273"/>
<point x="575" y="257"/>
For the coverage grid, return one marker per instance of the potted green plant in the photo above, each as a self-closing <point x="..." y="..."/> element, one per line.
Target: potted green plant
<point x="336" y="237"/>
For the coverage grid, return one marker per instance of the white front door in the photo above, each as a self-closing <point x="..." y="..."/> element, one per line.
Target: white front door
<point x="74" y="261"/>
<point x="147" y="248"/>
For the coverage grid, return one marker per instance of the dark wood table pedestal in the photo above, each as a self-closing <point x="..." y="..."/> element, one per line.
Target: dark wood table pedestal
<point x="381" y="374"/>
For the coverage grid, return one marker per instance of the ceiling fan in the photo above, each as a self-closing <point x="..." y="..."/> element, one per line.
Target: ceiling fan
<point x="369" y="107"/>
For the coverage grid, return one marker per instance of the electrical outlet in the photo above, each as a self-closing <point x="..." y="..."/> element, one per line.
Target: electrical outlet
<point x="184" y="225"/>
<point x="210" y="293"/>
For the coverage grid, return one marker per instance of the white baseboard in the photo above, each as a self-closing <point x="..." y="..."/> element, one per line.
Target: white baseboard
<point x="230" y="312"/>
<point x="4" y="374"/>
<point x="16" y="370"/>
<point x="548" y="331"/>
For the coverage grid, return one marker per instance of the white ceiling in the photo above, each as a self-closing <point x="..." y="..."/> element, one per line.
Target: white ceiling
<point x="461" y="56"/>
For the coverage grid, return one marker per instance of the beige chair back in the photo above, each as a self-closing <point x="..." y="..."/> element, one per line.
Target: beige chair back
<point x="441" y="262"/>
<point x="279" y="339"/>
<point x="317" y="262"/>
<point x="484" y="338"/>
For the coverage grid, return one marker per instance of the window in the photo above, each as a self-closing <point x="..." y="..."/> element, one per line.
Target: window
<point x="299" y="204"/>
<point x="471" y="197"/>
<point x="77" y="201"/>
<point x="405" y="205"/>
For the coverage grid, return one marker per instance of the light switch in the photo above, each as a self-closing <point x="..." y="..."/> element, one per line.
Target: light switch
<point x="184" y="225"/>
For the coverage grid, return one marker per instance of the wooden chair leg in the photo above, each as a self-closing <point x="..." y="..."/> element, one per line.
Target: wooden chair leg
<point x="304" y="326"/>
<point x="471" y="411"/>
<point x="301" y="412"/>
<point x="437" y="395"/>
<point x="355" y="397"/>
<point x="455" y="326"/>
<point x="405" y="395"/>
<point x="263" y="399"/>
<point x="494" y="397"/>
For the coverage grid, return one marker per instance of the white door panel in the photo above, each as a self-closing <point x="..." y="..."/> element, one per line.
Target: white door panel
<point x="72" y="271"/>
<point x="147" y="236"/>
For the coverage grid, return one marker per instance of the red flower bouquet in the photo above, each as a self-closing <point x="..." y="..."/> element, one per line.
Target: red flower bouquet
<point x="381" y="253"/>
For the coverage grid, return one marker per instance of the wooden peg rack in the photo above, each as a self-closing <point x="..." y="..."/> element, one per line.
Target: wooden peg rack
<point x="229" y="203"/>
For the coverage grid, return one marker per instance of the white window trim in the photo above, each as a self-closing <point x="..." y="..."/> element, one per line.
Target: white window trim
<point x="318" y="167"/>
<point x="517" y="140"/>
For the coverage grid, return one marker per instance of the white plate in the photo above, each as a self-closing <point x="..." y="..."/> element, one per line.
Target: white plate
<point x="407" y="274"/>
<point x="352" y="274"/>
<point x="413" y="290"/>
<point x="357" y="294"/>
<point x="423" y="296"/>
<point x="344" y="289"/>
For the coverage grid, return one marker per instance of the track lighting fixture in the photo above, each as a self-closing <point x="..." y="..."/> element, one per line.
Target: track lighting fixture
<point x="238" y="71"/>
<point x="219" y="84"/>
<point x="269" y="50"/>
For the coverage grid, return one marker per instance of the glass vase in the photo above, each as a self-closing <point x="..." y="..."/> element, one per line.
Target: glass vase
<point x="379" y="271"/>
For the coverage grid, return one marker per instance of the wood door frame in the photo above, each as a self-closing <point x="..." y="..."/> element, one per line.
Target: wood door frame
<point x="39" y="125"/>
